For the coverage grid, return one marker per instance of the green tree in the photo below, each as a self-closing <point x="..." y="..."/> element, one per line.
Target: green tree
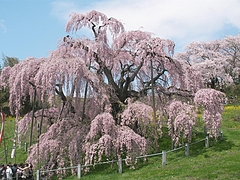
<point x="9" y="61"/>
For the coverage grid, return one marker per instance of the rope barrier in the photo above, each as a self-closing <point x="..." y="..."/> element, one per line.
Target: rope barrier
<point x="163" y="153"/>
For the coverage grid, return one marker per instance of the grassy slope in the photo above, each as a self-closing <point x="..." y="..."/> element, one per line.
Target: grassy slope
<point x="220" y="161"/>
<point x="7" y="142"/>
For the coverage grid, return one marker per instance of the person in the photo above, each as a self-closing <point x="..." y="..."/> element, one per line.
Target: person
<point x="9" y="172"/>
<point x="2" y="172"/>
<point x="1" y="168"/>
<point x="19" y="172"/>
<point x="30" y="171"/>
<point x="25" y="171"/>
<point x="14" y="171"/>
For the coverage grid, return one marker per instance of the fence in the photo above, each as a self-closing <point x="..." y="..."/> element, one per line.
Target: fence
<point x="119" y="161"/>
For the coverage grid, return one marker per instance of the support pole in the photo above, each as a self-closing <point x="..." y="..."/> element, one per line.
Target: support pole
<point x="33" y="110"/>
<point x="154" y="108"/>
<point x="85" y="94"/>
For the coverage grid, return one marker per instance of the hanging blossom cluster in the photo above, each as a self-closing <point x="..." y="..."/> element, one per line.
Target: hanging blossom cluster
<point x="47" y="120"/>
<point x="212" y="102"/>
<point x="17" y="79"/>
<point x="45" y="75"/>
<point x="105" y="30"/>
<point x="181" y="119"/>
<point x="62" y="141"/>
<point x="101" y="21"/>
<point x="105" y="138"/>
<point x="138" y="116"/>
<point x="192" y="77"/>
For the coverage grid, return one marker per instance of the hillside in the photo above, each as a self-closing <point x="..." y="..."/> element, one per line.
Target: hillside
<point x="219" y="161"/>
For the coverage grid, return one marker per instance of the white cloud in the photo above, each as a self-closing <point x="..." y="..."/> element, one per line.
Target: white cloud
<point x="2" y="26"/>
<point x="62" y="10"/>
<point x="183" y="21"/>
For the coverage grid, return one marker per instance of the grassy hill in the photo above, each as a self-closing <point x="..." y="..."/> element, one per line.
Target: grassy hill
<point x="220" y="161"/>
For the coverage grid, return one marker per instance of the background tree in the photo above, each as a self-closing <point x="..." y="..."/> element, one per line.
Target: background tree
<point x="230" y="48"/>
<point x="218" y="60"/>
<point x="9" y="61"/>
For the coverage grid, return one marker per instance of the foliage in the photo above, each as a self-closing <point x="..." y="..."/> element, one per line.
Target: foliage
<point x="9" y="61"/>
<point x="233" y="91"/>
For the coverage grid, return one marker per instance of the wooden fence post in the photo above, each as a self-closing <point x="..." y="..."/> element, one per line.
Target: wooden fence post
<point x="187" y="149"/>
<point x="221" y="135"/>
<point x="207" y="142"/>
<point x="164" y="158"/>
<point x="120" y="165"/>
<point x="79" y="171"/>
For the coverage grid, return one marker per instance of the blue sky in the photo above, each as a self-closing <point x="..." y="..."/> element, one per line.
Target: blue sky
<point x="33" y="27"/>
